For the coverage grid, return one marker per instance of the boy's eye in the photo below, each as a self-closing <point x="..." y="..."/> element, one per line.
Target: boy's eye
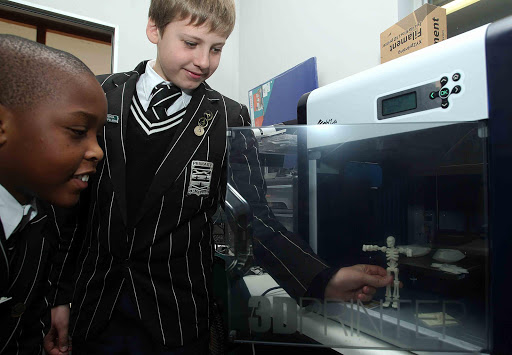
<point x="217" y="50"/>
<point x="190" y="44"/>
<point x="79" y="132"/>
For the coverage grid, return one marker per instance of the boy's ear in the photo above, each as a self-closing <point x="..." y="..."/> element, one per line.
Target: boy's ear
<point x="152" y="31"/>
<point x="5" y="117"/>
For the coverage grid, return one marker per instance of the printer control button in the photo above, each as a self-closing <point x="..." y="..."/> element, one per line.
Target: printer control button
<point x="444" y="93"/>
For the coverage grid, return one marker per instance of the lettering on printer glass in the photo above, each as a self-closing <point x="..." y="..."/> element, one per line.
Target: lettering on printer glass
<point x="284" y="316"/>
<point x="328" y="121"/>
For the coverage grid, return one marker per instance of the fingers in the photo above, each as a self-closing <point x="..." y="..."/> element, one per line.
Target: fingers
<point x="364" y="298"/>
<point x="365" y="294"/>
<point x="377" y="281"/>
<point x="374" y="270"/>
<point x="374" y="276"/>
<point x="370" y="291"/>
<point x="63" y="345"/>
<point x="63" y="341"/>
<point x="49" y="343"/>
<point x="55" y="344"/>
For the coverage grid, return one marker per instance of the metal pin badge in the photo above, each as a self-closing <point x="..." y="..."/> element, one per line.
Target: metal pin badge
<point x="199" y="131"/>
<point x="202" y="123"/>
<point x="208" y="115"/>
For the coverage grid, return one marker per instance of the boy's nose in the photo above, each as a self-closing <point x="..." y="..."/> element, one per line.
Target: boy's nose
<point x="94" y="153"/>
<point x="202" y="60"/>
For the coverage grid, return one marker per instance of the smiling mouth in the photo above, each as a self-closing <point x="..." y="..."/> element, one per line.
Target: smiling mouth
<point x="195" y="74"/>
<point x="84" y="178"/>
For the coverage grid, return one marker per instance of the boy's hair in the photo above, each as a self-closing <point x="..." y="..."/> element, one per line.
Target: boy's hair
<point x="32" y="72"/>
<point x="219" y="15"/>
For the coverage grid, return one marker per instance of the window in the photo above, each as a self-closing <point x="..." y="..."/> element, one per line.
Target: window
<point x="465" y="15"/>
<point x="91" y="42"/>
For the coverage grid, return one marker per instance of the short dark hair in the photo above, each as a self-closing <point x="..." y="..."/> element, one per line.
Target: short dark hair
<point x="32" y="72"/>
<point x="219" y="15"/>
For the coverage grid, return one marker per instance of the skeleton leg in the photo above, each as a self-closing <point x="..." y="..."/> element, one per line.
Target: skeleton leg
<point x="396" y="290"/>
<point x="388" y="292"/>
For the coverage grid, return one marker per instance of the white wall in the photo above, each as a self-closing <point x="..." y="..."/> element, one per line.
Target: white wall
<point x="129" y="16"/>
<point x="276" y="35"/>
<point x="270" y="36"/>
<point x="226" y="78"/>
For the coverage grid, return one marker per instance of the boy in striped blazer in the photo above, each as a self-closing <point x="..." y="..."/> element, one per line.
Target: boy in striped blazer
<point x="143" y="282"/>
<point x="51" y="109"/>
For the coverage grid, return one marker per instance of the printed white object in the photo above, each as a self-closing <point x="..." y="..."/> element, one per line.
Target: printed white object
<point x="452" y="269"/>
<point x="448" y="255"/>
<point x="392" y="253"/>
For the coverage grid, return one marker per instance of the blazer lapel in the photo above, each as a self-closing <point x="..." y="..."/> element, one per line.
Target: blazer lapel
<point x="29" y="247"/>
<point x="30" y="244"/>
<point x="4" y="262"/>
<point x="184" y="144"/>
<point x="119" y="101"/>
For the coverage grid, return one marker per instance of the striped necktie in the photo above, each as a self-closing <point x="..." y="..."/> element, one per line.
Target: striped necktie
<point x="162" y="97"/>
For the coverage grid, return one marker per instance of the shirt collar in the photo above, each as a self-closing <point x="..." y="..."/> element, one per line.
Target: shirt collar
<point x="150" y="78"/>
<point x="12" y="212"/>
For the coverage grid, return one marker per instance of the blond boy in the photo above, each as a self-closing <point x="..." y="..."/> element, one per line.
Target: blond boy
<point x="144" y="278"/>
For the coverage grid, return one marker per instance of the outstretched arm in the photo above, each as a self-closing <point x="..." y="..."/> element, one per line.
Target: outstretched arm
<point x="367" y="247"/>
<point x="286" y="257"/>
<point x="283" y="254"/>
<point x="406" y="251"/>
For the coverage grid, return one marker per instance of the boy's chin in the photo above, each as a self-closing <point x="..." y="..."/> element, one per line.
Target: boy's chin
<point x="189" y="87"/>
<point x="67" y="200"/>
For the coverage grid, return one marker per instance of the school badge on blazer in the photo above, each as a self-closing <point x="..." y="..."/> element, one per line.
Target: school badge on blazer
<point x="112" y="118"/>
<point x="200" y="178"/>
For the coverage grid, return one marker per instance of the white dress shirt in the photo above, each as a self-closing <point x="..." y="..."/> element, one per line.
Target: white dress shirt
<point x="148" y="80"/>
<point x="14" y="215"/>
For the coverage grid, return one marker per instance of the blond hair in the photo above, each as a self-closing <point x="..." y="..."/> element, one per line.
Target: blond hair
<point x="219" y="15"/>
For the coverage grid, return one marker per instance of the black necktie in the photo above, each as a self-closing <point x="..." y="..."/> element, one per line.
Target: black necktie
<point x="162" y="97"/>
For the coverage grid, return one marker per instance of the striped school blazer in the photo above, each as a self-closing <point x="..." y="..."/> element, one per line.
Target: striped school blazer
<point x="164" y="256"/>
<point x="25" y="262"/>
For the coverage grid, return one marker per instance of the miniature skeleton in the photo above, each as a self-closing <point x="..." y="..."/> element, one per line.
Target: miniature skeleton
<point x="392" y="258"/>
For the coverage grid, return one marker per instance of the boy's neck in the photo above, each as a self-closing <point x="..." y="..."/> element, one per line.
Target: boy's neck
<point x="22" y="197"/>
<point x="153" y="66"/>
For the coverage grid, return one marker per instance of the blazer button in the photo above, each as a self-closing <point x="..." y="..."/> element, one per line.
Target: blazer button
<point x="17" y="310"/>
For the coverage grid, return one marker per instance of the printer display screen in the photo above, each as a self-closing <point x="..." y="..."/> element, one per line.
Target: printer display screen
<point x="398" y="104"/>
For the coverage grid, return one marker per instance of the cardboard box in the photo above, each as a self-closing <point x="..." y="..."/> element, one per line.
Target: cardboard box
<point x="425" y="26"/>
